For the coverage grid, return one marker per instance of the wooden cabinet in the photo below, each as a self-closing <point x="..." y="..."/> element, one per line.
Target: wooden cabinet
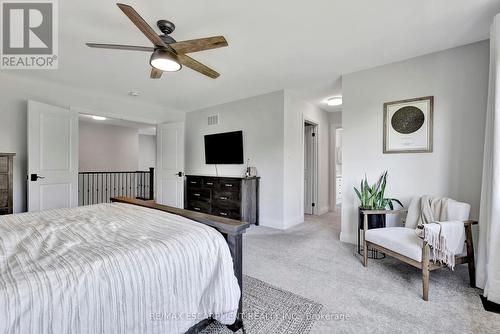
<point x="6" y="174"/>
<point x="230" y="197"/>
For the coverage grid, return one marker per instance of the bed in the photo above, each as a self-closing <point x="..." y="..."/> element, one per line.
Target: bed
<point x="125" y="267"/>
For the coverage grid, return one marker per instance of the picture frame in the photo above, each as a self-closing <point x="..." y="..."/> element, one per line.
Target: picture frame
<point x="408" y="125"/>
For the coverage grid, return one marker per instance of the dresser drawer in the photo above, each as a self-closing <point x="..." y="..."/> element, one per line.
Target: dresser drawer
<point x="4" y="164"/>
<point x="199" y="206"/>
<point x="230" y="184"/>
<point x="4" y="181"/>
<point x="209" y="182"/>
<point x="194" y="182"/>
<point x="226" y="200"/>
<point x="226" y="213"/>
<point x="200" y="194"/>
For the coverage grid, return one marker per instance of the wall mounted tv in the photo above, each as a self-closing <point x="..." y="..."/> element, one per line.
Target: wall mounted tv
<point x="224" y="148"/>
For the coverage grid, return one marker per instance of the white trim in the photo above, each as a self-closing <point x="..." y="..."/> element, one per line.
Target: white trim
<point x="316" y="165"/>
<point x="115" y="116"/>
<point x="323" y="210"/>
<point x="349" y="238"/>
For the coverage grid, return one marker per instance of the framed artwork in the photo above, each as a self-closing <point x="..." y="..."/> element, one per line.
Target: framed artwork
<point x="408" y="125"/>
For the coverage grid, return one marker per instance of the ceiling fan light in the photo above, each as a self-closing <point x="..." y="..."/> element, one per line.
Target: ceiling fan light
<point x="165" y="61"/>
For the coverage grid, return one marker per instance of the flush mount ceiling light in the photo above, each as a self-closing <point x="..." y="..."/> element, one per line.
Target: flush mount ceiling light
<point x="165" y="61"/>
<point x="334" y="101"/>
<point x="98" y="118"/>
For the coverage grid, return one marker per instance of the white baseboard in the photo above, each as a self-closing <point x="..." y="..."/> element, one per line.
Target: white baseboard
<point x="349" y="238"/>
<point x="294" y="221"/>
<point x="323" y="210"/>
<point x="273" y="223"/>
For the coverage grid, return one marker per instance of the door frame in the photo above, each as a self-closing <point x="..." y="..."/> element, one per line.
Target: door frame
<point x="315" y="169"/>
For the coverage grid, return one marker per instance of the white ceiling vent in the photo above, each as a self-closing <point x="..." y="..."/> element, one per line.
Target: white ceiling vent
<point x="213" y="119"/>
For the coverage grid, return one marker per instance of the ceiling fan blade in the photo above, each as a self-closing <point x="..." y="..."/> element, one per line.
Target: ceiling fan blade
<point x="155" y="73"/>
<point x="197" y="66"/>
<point x="141" y="24"/>
<point x="121" y="47"/>
<point x="199" y="44"/>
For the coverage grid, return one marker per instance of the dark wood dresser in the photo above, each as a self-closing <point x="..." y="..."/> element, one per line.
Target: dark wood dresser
<point x="230" y="197"/>
<point x="6" y="174"/>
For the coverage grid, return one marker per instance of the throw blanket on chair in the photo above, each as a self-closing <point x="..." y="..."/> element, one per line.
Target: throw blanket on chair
<point x="446" y="238"/>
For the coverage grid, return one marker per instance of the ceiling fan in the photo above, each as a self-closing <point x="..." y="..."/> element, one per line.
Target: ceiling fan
<point x="168" y="55"/>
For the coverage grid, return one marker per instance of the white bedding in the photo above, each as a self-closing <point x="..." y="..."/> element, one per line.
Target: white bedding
<point x="112" y="268"/>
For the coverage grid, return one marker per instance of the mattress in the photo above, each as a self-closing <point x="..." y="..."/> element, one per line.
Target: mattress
<point x="112" y="268"/>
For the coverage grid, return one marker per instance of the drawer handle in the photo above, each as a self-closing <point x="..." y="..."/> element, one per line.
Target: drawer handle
<point x="222" y="197"/>
<point x="228" y="185"/>
<point x="210" y="184"/>
<point x="197" y="209"/>
<point x="192" y="182"/>
<point x="197" y="195"/>
<point x="223" y="214"/>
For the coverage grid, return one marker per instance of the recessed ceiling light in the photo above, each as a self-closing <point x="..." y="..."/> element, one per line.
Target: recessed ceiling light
<point x="99" y="118"/>
<point x="334" y="101"/>
<point x="134" y="93"/>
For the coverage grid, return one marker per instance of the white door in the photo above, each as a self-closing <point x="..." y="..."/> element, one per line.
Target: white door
<point x="170" y="164"/>
<point x="52" y="157"/>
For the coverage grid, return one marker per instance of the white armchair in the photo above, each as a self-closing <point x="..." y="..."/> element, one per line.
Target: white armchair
<point x="403" y="243"/>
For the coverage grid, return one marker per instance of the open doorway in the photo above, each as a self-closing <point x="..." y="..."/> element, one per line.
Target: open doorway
<point x="116" y="158"/>
<point x="310" y="167"/>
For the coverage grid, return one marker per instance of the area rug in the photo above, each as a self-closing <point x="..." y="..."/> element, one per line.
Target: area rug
<point x="269" y="309"/>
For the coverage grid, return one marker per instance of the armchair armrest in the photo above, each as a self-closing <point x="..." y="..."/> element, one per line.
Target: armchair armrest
<point x="366" y="213"/>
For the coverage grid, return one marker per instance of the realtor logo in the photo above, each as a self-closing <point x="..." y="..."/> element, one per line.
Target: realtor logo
<point x="29" y="34"/>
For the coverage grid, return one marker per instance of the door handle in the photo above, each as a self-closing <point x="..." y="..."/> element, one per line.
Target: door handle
<point x="35" y="177"/>
<point x="179" y="174"/>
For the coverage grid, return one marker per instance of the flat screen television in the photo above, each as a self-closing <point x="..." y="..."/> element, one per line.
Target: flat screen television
<point x="224" y="148"/>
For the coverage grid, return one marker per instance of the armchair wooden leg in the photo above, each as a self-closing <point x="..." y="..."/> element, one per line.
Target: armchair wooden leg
<point x="425" y="271"/>
<point x="470" y="255"/>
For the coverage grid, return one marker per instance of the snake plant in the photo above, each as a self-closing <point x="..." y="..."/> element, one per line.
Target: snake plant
<point x="372" y="198"/>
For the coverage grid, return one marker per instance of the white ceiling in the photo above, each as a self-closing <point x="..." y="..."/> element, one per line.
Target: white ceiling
<point x="303" y="46"/>
<point x="143" y="128"/>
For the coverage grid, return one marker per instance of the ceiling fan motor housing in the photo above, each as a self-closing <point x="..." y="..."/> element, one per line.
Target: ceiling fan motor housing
<point x="165" y="26"/>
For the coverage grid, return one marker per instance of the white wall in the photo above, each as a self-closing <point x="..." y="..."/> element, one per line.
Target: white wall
<point x="296" y="112"/>
<point x="147" y="152"/>
<point x="273" y="132"/>
<point x="17" y="90"/>
<point x="458" y="80"/>
<point x="261" y="119"/>
<point x="108" y="148"/>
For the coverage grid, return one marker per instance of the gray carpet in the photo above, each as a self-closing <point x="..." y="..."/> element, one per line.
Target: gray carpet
<point x="268" y="309"/>
<point x="385" y="297"/>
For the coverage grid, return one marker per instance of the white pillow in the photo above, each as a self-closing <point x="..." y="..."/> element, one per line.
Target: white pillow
<point x="413" y="212"/>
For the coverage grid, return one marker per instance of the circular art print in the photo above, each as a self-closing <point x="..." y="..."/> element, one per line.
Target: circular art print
<point x="408" y="119"/>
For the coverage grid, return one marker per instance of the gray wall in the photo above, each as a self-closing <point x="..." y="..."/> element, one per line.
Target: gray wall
<point x="458" y="80"/>
<point x="261" y="119"/>
<point x="296" y="112"/>
<point x="147" y="152"/>
<point x="108" y="148"/>
<point x="272" y="127"/>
